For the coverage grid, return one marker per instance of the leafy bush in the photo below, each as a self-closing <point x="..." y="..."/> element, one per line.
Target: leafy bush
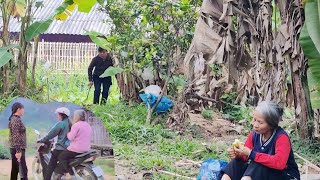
<point x="232" y="111"/>
<point x="4" y="152"/>
<point x="207" y="114"/>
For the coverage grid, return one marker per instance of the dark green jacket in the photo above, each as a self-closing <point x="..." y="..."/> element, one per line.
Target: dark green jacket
<point x="61" y="130"/>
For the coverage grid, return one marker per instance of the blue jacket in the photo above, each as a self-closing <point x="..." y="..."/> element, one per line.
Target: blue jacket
<point x="61" y="130"/>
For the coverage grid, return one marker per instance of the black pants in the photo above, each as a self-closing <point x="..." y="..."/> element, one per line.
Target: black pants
<point x="106" y="83"/>
<point x="15" y="165"/>
<point x="64" y="159"/>
<point x="236" y="169"/>
<point x="52" y="164"/>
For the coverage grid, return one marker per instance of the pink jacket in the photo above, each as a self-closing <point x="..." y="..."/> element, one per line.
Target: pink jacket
<point x="80" y="137"/>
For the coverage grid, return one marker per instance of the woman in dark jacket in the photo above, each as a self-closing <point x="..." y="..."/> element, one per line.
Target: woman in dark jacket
<point x="18" y="142"/>
<point x="268" y="150"/>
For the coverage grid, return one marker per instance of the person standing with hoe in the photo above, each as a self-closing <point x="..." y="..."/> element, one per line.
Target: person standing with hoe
<point x="100" y="63"/>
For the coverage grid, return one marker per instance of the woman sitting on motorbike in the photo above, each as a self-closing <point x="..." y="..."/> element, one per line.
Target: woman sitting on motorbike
<point x="80" y="142"/>
<point x="60" y="129"/>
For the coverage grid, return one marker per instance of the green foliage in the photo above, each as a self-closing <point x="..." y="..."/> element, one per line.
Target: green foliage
<point x="309" y="149"/>
<point x="37" y="28"/>
<point x="230" y="111"/>
<point x="207" y="114"/>
<point x="177" y="84"/>
<point x="147" y="33"/>
<point x="4" y="152"/>
<point x="85" y="5"/>
<point x="217" y="69"/>
<point x="111" y="71"/>
<point x="310" y="42"/>
<point x="130" y="131"/>
<point x="5" y="55"/>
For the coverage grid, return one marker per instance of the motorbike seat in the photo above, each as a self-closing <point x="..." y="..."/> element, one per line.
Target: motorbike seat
<point x="81" y="157"/>
<point x="85" y="154"/>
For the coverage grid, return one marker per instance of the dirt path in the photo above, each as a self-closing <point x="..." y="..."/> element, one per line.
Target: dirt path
<point x="5" y="167"/>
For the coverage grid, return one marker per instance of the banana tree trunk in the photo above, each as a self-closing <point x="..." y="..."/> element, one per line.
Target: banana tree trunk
<point x="23" y="52"/>
<point x="34" y="63"/>
<point x="5" y="70"/>
<point x="292" y="17"/>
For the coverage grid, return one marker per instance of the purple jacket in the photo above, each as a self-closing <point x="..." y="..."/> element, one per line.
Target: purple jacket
<point x="80" y="137"/>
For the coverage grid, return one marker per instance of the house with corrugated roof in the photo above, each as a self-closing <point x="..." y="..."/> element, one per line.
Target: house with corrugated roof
<point x="64" y="44"/>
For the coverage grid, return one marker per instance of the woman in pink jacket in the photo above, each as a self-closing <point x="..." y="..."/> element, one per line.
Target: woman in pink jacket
<point x="80" y="142"/>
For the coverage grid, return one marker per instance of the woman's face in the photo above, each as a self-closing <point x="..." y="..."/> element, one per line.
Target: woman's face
<point x="75" y="118"/>
<point x="259" y="123"/>
<point x="59" y="117"/>
<point x="20" y="111"/>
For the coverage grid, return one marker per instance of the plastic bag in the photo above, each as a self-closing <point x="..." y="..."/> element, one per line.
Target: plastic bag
<point x="153" y="89"/>
<point x="164" y="105"/>
<point x="211" y="169"/>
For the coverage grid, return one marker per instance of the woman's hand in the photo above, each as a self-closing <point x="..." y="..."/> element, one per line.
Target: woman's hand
<point x="231" y="153"/>
<point x="18" y="156"/>
<point x="245" y="151"/>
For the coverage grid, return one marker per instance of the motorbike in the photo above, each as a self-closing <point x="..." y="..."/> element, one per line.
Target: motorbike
<point x="82" y="165"/>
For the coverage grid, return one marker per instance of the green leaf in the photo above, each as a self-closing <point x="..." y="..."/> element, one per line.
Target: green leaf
<point x="62" y="8"/>
<point x="5" y="57"/>
<point x="111" y="71"/>
<point x="85" y="5"/>
<point x="39" y="4"/>
<point x="313" y="56"/>
<point x="314" y="89"/>
<point x="11" y="46"/>
<point x="124" y="54"/>
<point x="100" y="41"/>
<point x="313" y="23"/>
<point x="37" y="28"/>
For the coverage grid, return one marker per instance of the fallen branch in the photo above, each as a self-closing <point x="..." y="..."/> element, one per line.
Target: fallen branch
<point x="188" y="162"/>
<point x="308" y="163"/>
<point x="175" y="174"/>
<point x="203" y="98"/>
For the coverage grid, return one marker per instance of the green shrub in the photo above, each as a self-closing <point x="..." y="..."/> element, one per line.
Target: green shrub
<point x="4" y="152"/>
<point x="207" y="114"/>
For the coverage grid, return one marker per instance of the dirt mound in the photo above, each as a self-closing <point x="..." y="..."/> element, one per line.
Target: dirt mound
<point x="216" y="127"/>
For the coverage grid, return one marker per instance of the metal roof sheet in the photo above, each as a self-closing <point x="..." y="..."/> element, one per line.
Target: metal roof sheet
<point x="76" y="24"/>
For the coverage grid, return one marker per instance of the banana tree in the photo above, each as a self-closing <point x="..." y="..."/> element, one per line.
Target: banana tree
<point x="29" y="30"/>
<point x="9" y="9"/>
<point x="255" y="57"/>
<point x="310" y="42"/>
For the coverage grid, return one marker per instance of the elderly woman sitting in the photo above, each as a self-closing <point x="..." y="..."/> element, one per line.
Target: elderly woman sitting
<point x="268" y="150"/>
<point x="80" y="142"/>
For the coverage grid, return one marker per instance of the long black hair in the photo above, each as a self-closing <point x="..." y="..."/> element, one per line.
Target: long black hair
<point x="15" y="108"/>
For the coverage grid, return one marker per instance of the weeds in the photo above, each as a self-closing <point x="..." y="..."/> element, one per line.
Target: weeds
<point x="207" y="114"/>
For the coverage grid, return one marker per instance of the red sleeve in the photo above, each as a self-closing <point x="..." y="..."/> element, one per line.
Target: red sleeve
<point x="277" y="161"/>
<point x="248" y="144"/>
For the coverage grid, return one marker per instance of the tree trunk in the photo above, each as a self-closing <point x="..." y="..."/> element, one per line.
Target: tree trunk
<point x="35" y="55"/>
<point x="249" y="50"/>
<point x="293" y="19"/>
<point x="23" y="52"/>
<point x="5" y="70"/>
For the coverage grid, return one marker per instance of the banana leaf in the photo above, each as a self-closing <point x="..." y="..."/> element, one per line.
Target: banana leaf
<point x="111" y="71"/>
<point x="310" y="43"/>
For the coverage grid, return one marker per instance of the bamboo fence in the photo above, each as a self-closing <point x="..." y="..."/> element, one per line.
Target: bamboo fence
<point x="62" y="56"/>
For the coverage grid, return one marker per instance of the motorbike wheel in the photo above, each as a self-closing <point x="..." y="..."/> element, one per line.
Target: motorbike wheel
<point x="86" y="173"/>
<point x="37" y="169"/>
